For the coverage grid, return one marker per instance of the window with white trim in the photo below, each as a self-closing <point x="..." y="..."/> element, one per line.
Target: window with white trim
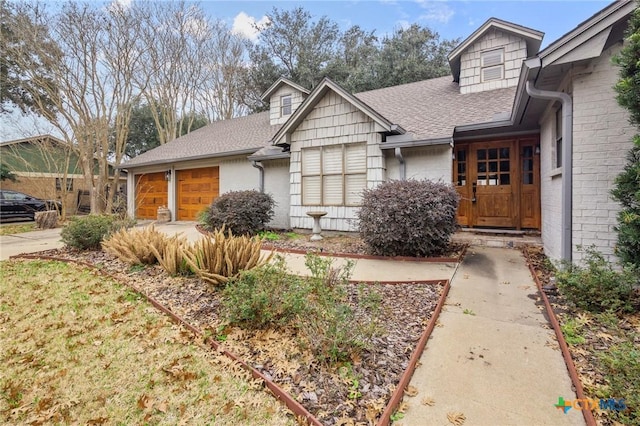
<point x="558" y="137"/>
<point x="285" y="105"/>
<point x="334" y="175"/>
<point x="492" y="65"/>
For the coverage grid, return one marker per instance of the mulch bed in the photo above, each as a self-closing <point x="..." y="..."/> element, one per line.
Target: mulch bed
<point x="326" y="391"/>
<point x="598" y="337"/>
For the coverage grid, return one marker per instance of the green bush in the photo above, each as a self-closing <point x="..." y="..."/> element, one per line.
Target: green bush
<point x="241" y="212"/>
<point x="408" y="218"/>
<point x="87" y="232"/>
<point x="597" y="286"/>
<point x="270" y="296"/>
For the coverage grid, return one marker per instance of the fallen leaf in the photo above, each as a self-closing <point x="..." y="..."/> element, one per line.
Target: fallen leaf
<point x="428" y="401"/>
<point x="145" y="402"/>
<point x="162" y="407"/>
<point x="456" y="419"/>
<point x="411" y="391"/>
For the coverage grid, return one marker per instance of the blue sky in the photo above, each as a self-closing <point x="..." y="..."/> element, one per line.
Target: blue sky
<point x="451" y="19"/>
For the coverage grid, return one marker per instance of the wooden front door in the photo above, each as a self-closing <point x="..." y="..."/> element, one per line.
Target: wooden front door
<point x="197" y="188"/>
<point x="499" y="183"/>
<point x="151" y="193"/>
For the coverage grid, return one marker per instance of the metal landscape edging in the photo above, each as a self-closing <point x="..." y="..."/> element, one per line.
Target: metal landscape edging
<point x="564" y="348"/>
<point x="296" y="408"/>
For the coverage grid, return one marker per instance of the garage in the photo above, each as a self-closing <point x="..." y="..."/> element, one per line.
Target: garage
<point x="197" y="188"/>
<point x="151" y="193"/>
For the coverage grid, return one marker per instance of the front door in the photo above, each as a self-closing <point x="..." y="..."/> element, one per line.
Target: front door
<point x="493" y="184"/>
<point x="498" y="182"/>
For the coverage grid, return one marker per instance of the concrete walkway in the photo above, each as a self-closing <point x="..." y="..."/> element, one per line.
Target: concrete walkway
<point x="493" y="357"/>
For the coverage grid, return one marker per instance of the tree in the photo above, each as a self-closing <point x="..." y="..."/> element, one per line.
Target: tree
<point x="412" y="54"/>
<point x="291" y="45"/>
<point x="16" y="88"/>
<point x="627" y="184"/>
<point x="6" y="174"/>
<point x="354" y="66"/>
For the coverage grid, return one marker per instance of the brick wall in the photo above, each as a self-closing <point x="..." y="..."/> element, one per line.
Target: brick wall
<point x="429" y="162"/>
<point x="602" y="137"/>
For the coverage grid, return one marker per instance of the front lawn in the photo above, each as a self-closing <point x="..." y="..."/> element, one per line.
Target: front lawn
<point x="77" y="348"/>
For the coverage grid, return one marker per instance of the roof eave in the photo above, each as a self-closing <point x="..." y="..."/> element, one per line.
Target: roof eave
<point x="417" y="143"/>
<point x="267" y="94"/>
<point x="126" y="166"/>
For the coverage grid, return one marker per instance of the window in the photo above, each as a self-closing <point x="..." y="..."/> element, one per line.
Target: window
<point x="334" y="175"/>
<point x="558" y="144"/>
<point x="69" y="184"/>
<point x="492" y="63"/>
<point x="285" y="105"/>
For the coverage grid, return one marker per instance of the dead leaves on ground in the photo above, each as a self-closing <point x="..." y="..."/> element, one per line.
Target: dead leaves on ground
<point x="456" y="419"/>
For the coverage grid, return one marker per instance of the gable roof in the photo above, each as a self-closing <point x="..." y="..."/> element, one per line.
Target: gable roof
<point x="316" y="95"/>
<point x="36" y="138"/>
<point x="237" y="136"/>
<point x="532" y="37"/>
<point x="279" y="83"/>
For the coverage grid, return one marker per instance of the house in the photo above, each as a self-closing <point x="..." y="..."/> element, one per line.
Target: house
<point x="48" y="168"/>
<point x="530" y="138"/>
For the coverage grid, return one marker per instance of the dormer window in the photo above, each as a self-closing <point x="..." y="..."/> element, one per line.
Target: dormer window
<point x="285" y="105"/>
<point x="492" y="63"/>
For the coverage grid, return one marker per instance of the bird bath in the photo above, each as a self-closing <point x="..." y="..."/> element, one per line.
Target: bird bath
<point x="316" y="225"/>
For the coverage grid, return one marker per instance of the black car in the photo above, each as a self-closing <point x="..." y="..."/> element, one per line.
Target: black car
<point x="16" y="204"/>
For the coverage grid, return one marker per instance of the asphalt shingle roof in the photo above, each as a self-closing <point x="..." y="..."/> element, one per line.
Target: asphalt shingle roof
<point x="429" y="109"/>
<point x="240" y="134"/>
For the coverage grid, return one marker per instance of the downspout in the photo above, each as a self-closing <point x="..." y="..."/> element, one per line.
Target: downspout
<point x="567" y="161"/>
<point x="258" y="165"/>
<point x="403" y="167"/>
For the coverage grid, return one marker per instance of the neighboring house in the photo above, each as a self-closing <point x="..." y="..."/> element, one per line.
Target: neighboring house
<point x="47" y="167"/>
<point x="530" y="139"/>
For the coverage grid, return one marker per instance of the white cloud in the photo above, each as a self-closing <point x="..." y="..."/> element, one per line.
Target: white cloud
<point x="244" y="25"/>
<point x="436" y="11"/>
<point x="122" y="4"/>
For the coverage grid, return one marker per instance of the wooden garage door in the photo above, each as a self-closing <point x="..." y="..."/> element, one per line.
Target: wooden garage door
<point x="151" y="193"/>
<point x="197" y="188"/>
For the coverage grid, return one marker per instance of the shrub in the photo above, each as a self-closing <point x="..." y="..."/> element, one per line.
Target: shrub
<point x="241" y="212"/>
<point x="270" y="296"/>
<point x="219" y="256"/>
<point x="134" y="245"/>
<point x="87" y="232"/>
<point x="408" y="218"/>
<point x="597" y="287"/>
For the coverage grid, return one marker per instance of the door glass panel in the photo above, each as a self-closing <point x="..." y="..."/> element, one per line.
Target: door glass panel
<point x="505" y="179"/>
<point x="504" y="166"/>
<point x="482" y="154"/>
<point x="493" y="154"/>
<point x="461" y="175"/>
<point x="493" y="166"/>
<point x="504" y="152"/>
<point x="527" y="165"/>
<point x="462" y="155"/>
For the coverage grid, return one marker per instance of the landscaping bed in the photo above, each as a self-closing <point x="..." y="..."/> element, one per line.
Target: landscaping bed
<point x="353" y="390"/>
<point x="340" y="243"/>
<point x="604" y="347"/>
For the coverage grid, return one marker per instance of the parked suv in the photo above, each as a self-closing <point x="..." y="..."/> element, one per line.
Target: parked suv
<point x="17" y="204"/>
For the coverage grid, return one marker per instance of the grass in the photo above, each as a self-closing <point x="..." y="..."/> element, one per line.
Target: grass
<point x="17" y="228"/>
<point x="571" y="330"/>
<point x="79" y="348"/>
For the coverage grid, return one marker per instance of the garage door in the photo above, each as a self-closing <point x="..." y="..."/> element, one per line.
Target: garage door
<point x="151" y="193"/>
<point x="197" y="188"/>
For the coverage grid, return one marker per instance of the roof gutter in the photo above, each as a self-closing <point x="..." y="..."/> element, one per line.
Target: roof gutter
<point x="567" y="161"/>
<point x="197" y="157"/>
<point x="279" y="156"/>
<point x="416" y="143"/>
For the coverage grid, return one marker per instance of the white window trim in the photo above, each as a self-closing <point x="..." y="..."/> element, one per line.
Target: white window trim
<point x="282" y="105"/>
<point x="557" y="122"/>
<point x="321" y="175"/>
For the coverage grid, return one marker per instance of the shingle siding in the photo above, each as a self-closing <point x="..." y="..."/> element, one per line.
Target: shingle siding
<point x="515" y="51"/>
<point x="297" y="98"/>
<point x="318" y="129"/>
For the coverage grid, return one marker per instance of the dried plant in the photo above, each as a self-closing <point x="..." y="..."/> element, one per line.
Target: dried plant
<point x="170" y="255"/>
<point x="134" y="245"/>
<point x="219" y="256"/>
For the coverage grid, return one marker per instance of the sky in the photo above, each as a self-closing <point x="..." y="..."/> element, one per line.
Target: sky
<point x="450" y="19"/>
